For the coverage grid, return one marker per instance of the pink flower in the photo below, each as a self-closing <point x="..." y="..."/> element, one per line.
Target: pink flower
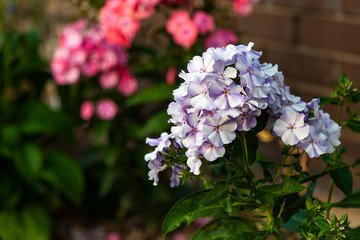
<point x="113" y="236"/>
<point x="120" y="29"/>
<point x="179" y="236"/>
<point x="243" y="7"/>
<point x="186" y="34"/>
<point x="109" y="79"/>
<point x="106" y="109"/>
<point x="170" y="75"/>
<point x="204" y="22"/>
<point x="177" y="19"/>
<point x="128" y="84"/>
<point x="220" y="38"/>
<point x="87" y="110"/>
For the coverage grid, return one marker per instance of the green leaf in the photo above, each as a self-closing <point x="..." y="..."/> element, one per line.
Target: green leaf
<point x="343" y="180"/>
<point x="219" y="192"/>
<point x="350" y="201"/>
<point x="356" y="97"/>
<point x="28" y="161"/>
<point x="327" y="170"/>
<point x="97" y="3"/>
<point x="353" y="124"/>
<point x="323" y="225"/>
<point x="155" y="93"/>
<point x="354" y="234"/>
<point x="324" y="100"/>
<point x="188" y="209"/>
<point x="31" y="223"/>
<point x="227" y="228"/>
<point x="156" y="124"/>
<point x="39" y="119"/>
<point x="268" y="193"/>
<point x="295" y="221"/>
<point x="62" y="172"/>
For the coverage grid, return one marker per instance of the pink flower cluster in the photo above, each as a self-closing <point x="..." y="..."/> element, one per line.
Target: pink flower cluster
<point x="106" y="109"/>
<point x="244" y="7"/>
<point x="120" y="19"/>
<point x="185" y="30"/>
<point x="83" y="50"/>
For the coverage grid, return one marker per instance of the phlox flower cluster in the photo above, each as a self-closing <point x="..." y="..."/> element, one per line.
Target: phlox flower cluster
<point x="83" y="51"/>
<point x="185" y="30"/>
<point x="120" y="19"/>
<point x="223" y="93"/>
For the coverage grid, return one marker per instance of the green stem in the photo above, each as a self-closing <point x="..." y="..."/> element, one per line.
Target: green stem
<point x="329" y="198"/>
<point x="245" y="153"/>
<point x="279" y="170"/>
<point x="270" y="218"/>
<point x="334" y="158"/>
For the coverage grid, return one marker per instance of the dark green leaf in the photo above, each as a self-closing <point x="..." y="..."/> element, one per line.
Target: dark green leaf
<point x="188" y="209"/>
<point x="324" y="100"/>
<point x="354" y="234"/>
<point x="323" y="225"/>
<point x="155" y="93"/>
<point x="343" y="180"/>
<point x="39" y="119"/>
<point x="97" y="3"/>
<point x="156" y="124"/>
<point x="268" y="193"/>
<point x="219" y="192"/>
<point x="356" y="97"/>
<point x="31" y="223"/>
<point x="28" y="161"/>
<point x="327" y="170"/>
<point x="327" y="159"/>
<point x="227" y="228"/>
<point x="295" y="221"/>
<point x="62" y="172"/>
<point x="351" y="201"/>
<point x="353" y="125"/>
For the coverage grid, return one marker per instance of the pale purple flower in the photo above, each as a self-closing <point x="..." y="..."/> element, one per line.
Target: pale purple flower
<point x="155" y="167"/>
<point x="250" y="73"/>
<point x="175" y="176"/>
<point x="314" y="144"/>
<point x="201" y="64"/>
<point x="247" y="120"/>
<point x="291" y="127"/>
<point x="194" y="163"/>
<point x="226" y="96"/>
<point x="195" y="135"/>
<point x="220" y="131"/>
<point x="225" y="74"/>
<point x="210" y="152"/>
<point x="333" y="133"/>
<point x="200" y="96"/>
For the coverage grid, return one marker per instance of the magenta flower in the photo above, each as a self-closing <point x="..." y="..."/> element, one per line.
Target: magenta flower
<point x="128" y="84"/>
<point x="106" y="109"/>
<point x="220" y="38"/>
<point x="109" y="79"/>
<point x="204" y="22"/>
<point x="87" y="110"/>
<point x="291" y="127"/>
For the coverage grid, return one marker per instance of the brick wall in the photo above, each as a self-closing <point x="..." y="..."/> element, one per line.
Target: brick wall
<point x="311" y="41"/>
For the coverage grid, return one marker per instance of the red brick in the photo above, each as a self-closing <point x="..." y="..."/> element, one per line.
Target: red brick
<point x="302" y="67"/>
<point x="315" y="4"/>
<point x="351" y="6"/>
<point x="330" y="33"/>
<point x="278" y="27"/>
